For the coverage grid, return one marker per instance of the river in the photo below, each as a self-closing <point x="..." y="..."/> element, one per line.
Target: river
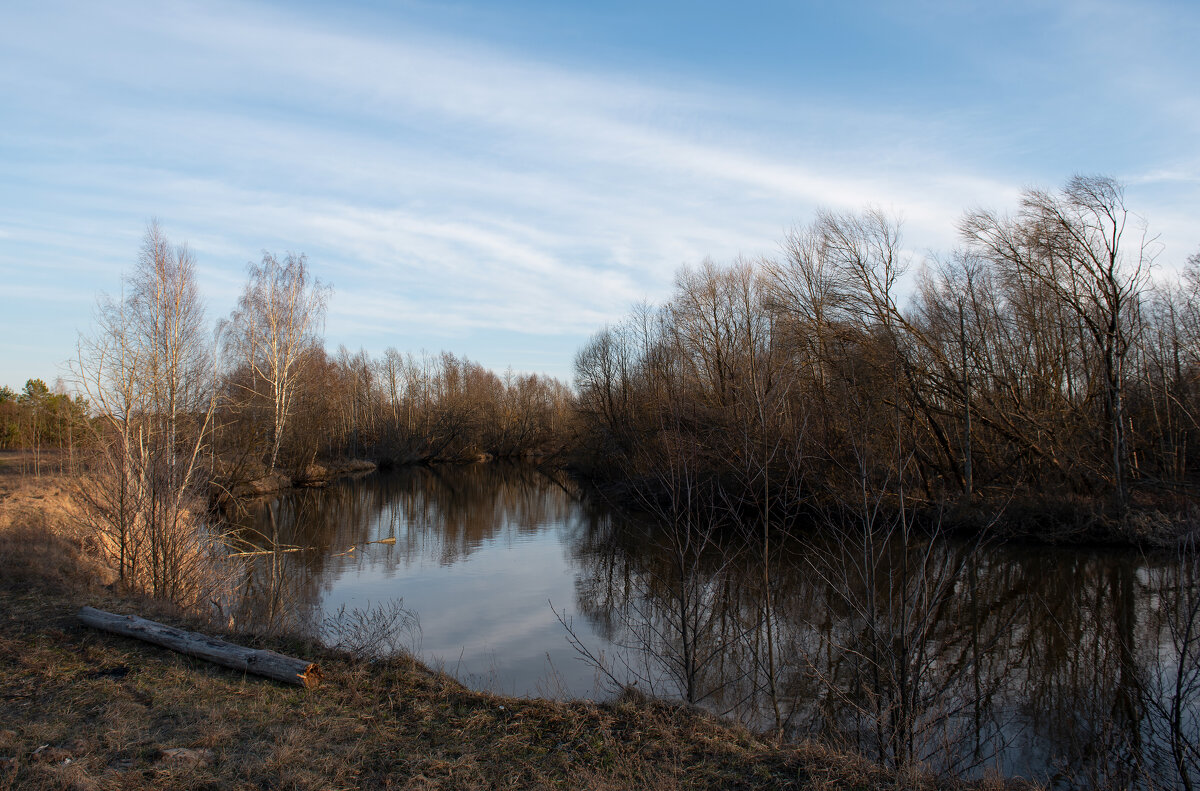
<point x="1042" y="662"/>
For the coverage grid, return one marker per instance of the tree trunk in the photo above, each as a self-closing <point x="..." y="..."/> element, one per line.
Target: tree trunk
<point x="249" y="660"/>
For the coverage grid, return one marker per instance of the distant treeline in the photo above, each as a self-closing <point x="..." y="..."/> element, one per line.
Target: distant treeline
<point x="397" y="409"/>
<point x="41" y="420"/>
<point x="1038" y="371"/>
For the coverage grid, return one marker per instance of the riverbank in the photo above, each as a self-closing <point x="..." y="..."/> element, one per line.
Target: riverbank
<point x="83" y="709"/>
<point x="89" y="710"/>
<point x="258" y="481"/>
<point x="1060" y="521"/>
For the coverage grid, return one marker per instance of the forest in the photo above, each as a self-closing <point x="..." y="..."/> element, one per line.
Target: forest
<point x="1040" y="377"/>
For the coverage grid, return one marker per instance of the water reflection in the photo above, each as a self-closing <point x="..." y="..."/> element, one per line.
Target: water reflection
<point x="477" y="552"/>
<point x="1053" y="663"/>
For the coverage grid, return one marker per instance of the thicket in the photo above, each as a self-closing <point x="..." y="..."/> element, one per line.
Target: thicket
<point x="287" y="404"/>
<point x="401" y="408"/>
<point x="1037" y="370"/>
<point x="801" y="416"/>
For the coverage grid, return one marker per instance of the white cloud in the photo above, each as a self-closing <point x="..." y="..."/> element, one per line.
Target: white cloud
<point x="444" y="187"/>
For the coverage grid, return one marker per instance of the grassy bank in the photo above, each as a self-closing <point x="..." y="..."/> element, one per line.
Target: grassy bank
<point x="86" y="710"/>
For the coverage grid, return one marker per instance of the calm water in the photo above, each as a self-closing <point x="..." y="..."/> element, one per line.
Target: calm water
<point x="482" y="553"/>
<point x="1039" y="662"/>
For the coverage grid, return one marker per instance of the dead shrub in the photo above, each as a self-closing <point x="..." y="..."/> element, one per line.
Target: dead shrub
<point x="374" y="632"/>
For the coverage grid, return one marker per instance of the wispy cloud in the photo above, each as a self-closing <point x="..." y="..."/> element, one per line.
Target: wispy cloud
<point x="448" y="187"/>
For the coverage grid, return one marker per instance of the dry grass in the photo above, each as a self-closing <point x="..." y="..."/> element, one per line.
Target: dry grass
<point x="41" y="543"/>
<point x="84" y="709"/>
<point x="81" y="709"/>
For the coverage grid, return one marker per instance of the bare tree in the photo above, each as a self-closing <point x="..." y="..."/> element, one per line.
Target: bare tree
<point x="107" y="369"/>
<point x="279" y="317"/>
<point x="1171" y="691"/>
<point x="912" y="678"/>
<point x="1073" y="244"/>
<point x="674" y="631"/>
<point x="149" y="374"/>
<point x="177" y="356"/>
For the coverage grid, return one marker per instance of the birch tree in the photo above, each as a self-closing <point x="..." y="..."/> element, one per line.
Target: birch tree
<point x="279" y="317"/>
<point x="148" y="372"/>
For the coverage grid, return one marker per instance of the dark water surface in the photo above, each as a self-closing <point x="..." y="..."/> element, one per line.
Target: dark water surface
<point x="1034" y="661"/>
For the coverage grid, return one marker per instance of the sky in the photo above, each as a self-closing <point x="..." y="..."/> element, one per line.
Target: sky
<point x="501" y="179"/>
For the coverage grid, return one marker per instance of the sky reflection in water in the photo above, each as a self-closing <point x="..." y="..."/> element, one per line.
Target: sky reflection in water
<point x="1057" y="643"/>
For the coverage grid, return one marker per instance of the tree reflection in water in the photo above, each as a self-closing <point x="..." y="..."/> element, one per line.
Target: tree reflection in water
<point x="1075" y="666"/>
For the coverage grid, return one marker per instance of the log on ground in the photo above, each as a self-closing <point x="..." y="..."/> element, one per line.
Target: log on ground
<point x="250" y="660"/>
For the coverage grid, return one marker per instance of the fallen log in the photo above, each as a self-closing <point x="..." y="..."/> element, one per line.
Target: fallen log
<point x="250" y="660"/>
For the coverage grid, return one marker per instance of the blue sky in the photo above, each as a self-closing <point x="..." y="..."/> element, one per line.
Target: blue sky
<point x="500" y="179"/>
